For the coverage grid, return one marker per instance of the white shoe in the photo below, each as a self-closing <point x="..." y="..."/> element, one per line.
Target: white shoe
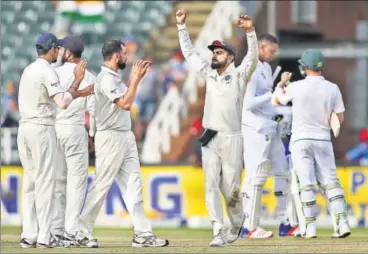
<point x="260" y="233"/>
<point x="25" y="244"/>
<point x="54" y="243"/>
<point x="310" y="231"/>
<point x="297" y="232"/>
<point x="148" y="240"/>
<point x="233" y="234"/>
<point x="218" y="240"/>
<point x="344" y="231"/>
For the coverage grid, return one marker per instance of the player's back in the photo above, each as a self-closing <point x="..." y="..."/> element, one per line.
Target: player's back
<point x="38" y="82"/>
<point x="75" y="113"/>
<point x="314" y="99"/>
<point x="109" y="116"/>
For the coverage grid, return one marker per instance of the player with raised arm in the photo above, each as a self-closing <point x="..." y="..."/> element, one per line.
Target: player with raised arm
<point x="39" y="89"/>
<point x="315" y="100"/>
<point x="222" y="142"/>
<point x="72" y="138"/>
<point x="116" y="149"/>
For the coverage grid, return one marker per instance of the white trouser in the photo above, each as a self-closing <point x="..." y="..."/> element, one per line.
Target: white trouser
<point x="257" y="148"/>
<point x="72" y="175"/>
<point x="37" y="151"/>
<point x="222" y="165"/>
<point x="314" y="163"/>
<point x="116" y="159"/>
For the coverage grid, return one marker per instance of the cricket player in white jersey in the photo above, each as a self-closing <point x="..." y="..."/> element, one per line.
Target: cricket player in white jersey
<point x="39" y="89"/>
<point x="314" y="100"/>
<point x="116" y="149"/>
<point x="72" y="138"/>
<point x="222" y="143"/>
<point x="264" y="153"/>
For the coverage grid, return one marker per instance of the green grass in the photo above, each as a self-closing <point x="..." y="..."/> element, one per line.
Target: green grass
<point x="196" y="240"/>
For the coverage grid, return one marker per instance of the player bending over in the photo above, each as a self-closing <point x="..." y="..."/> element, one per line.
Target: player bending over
<point x="314" y="100"/>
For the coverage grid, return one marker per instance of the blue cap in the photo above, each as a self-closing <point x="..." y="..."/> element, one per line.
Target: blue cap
<point x="73" y="43"/>
<point x="224" y="45"/>
<point x="129" y="38"/>
<point x="48" y="41"/>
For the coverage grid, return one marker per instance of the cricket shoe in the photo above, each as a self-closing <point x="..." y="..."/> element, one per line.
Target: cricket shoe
<point x="286" y="230"/>
<point x="244" y="233"/>
<point x="311" y="231"/>
<point x="148" y="239"/>
<point x="297" y="232"/>
<point x="343" y="232"/>
<point x="233" y="234"/>
<point x="260" y="233"/>
<point x="68" y="238"/>
<point x="26" y="244"/>
<point x="54" y="243"/>
<point x="219" y="240"/>
<point x="87" y="242"/>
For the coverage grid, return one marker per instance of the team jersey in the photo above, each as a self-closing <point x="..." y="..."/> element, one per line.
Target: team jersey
<point x="38" y="83"/>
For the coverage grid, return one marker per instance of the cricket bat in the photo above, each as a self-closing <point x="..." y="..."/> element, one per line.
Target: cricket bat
<point x="335" y="124"/>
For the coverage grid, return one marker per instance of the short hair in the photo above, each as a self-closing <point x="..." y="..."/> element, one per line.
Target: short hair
<point x="76" y="54"/>
<point x="111" y="47"/>
<point x="269" y="38"/>
<point x="41" y="50"/>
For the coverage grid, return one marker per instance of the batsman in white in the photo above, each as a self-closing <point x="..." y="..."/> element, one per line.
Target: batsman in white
<point x="72" y="138"/>
<point x="39" y="88"/>
<point x="116" y="149"/>
<point x="264" y="151"/>
<point x="314" y="100"/>
<point x="222" y="142"/>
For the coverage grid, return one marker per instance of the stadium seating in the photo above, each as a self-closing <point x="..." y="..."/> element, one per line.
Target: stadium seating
<point x="22" y="21"/>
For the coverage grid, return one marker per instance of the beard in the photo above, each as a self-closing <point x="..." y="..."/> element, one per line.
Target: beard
<point x="216" y="65"/>
<point x="121" y="65"/>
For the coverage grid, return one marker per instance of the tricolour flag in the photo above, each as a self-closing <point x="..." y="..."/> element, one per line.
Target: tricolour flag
<point x="83" y="11"/>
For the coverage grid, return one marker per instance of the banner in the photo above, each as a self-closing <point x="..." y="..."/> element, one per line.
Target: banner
<point x="174" y="196"/>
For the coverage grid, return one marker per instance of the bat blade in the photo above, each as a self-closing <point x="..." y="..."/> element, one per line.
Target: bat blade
<point x="335" y="124"/>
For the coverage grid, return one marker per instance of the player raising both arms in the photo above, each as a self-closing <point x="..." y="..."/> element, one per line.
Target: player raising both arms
<point x="222" y="142"/>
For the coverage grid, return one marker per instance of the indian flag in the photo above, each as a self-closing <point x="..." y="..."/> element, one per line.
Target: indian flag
<point x="83" y="11"/>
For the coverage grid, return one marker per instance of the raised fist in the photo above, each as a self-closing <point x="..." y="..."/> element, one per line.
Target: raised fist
<point x="246" y="22"/>
<point x="285" y="77"/>
<point x="181" y="16"/>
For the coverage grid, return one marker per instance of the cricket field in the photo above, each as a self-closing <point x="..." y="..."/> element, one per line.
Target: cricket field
<point x="196" y="241"/>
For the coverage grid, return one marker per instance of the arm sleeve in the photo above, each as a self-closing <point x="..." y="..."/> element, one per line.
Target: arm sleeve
<point x="251" y="100"/>
<point x="91" y="110"/>
<point x="52" y="83"/>
<point x="249" y="63"/>
<point x="63" y="100"/>
<point x="110" y="88"/>
<point x="338" y="106"/>
<point x="189" y="52"/>
<point x="58" y="63"/>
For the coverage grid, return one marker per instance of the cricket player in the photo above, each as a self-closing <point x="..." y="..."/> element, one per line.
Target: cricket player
<point x="264" y="151"/>
<point x="116" y="149"/>
<point x="72" y="138"/>
<point x="222" y="142"/>
<point x="39" y="90"/>
<point x="314" y="100"/>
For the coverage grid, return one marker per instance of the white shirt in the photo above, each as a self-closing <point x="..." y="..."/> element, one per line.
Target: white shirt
<point x="314" y="99"/>
<point x="258" y="110"/>
<point x="38" y="83"/>
<point x="75" y="113"/>
<point x="225" y="92"/>
<point x="109" y="116"/>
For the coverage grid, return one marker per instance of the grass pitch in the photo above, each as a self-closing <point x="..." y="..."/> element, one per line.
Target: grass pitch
<point x="196" y="241"/>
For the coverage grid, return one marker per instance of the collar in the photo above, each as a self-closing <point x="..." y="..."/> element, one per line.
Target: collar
<point x="108" y="70"/>
<point x="41" y="60"/>
<point x="315" y="78"/>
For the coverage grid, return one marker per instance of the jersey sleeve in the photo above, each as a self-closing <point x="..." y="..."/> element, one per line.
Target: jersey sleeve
<point x="110" y="88"/>
<point x="251" y="100"/>
<point x="52" y="83"/>
<point x="338" y="106"/>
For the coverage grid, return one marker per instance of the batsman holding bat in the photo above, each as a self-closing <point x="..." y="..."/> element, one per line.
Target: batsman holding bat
<point x="314" y="101"/>
<point x="222" y="142"/>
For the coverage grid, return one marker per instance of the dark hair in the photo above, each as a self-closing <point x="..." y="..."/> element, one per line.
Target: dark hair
<point x="111" y="47"/>
<point x="76" y="54"/>
<point x="269" y="38"/>
<point x="41" y="50"/>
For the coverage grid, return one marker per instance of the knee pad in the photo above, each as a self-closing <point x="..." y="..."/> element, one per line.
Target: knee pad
<point x="262" y="172"/>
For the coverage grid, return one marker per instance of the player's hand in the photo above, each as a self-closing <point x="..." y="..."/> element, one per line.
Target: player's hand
<point x="246" y="22"/>
<point x="80" y="70"/>
<point x="181" y="16"/>
<point x="90" y="89"/>
<point x="140" y="68"/>
<point x="285" y="77"/>
<point x="91" y="144"/>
